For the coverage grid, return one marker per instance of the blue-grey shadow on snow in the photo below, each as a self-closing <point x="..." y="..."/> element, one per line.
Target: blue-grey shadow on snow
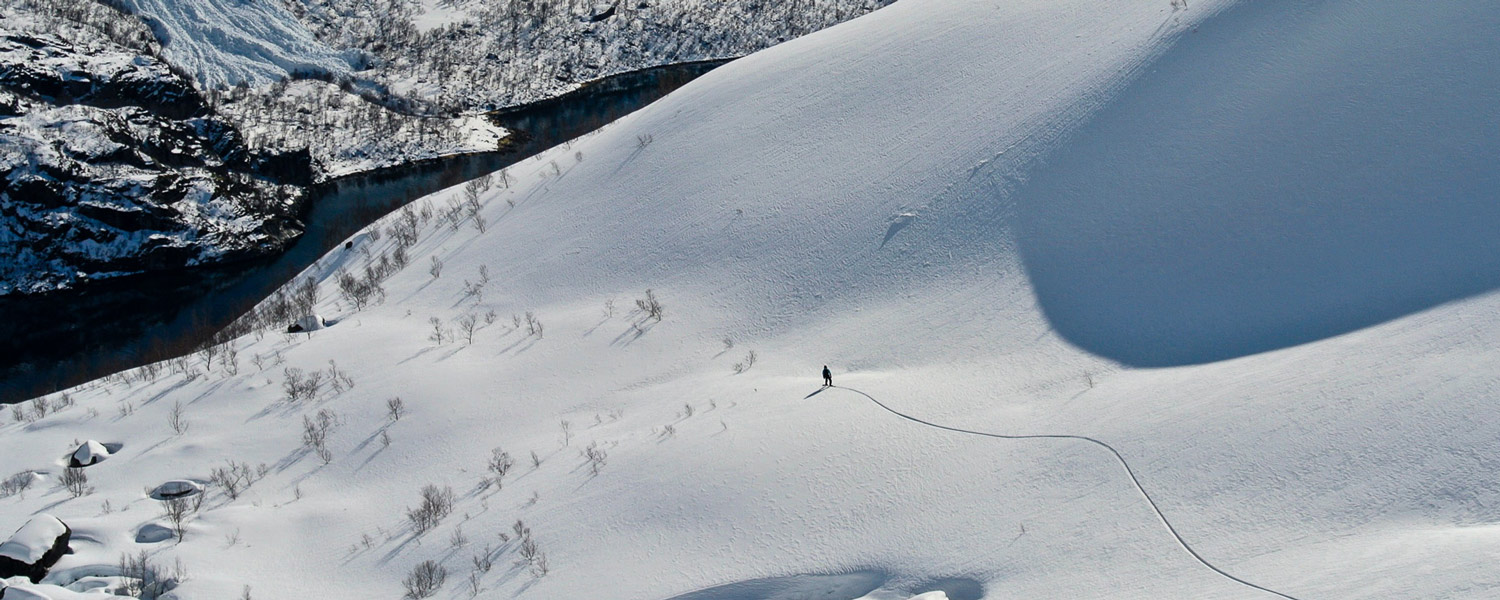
<point x="847" y="586"/>
<point x="1265" y="185"/>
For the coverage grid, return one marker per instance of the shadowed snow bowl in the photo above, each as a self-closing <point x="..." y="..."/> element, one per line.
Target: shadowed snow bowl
<point x="1252" y="192"/>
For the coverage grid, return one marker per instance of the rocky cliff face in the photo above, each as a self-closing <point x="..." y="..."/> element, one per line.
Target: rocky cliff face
<point x="113" y="164"/>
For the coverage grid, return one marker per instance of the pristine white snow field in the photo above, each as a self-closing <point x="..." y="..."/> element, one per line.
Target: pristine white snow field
<point x="1239" y="243"/>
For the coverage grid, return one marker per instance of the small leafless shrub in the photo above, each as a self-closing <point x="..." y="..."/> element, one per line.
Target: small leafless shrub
<point x="339" y="379"/>
<point x="39" y="408"/>
<point x="394" y="408"/>
<point x="536" y="461"/>
<point x="643" y="140"/>
<point x="595" y="456"/>
<point x="650" y="305"/>
<point x="438" y="334"/>
<point x="176" y="420"/>
<point x="18" y="482"/>
<point x="436" y="504"/>
<point x="466" y="325"/>
<point x="457" y="539"/>
<point x="435" y="268"/>
<point x="473" y="290"/>
<point x="76" y="481"/>
<point x="230" y="360"/>
<point x="141" y="578"/>
<point x="315" y="433"/>
<point x="484" y="561"/>
<point x="532" y="556"/>
<point x="567" y="431"/>
<point x="176" y="511"/>
<point x="533" y="326"/>
<point x="499" y="464"/>
<point x="299" y="385"/>
<point x="424" y="580"/>
<point x="234" y="478"/>
<point x="744" y="365"/>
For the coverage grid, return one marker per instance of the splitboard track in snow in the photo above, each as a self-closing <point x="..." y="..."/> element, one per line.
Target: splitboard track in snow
<point x="1082" y="438"/>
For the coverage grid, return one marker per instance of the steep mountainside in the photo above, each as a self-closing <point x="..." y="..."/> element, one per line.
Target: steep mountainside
<point x="159" y="134"/>
<point x="114" y="164"/>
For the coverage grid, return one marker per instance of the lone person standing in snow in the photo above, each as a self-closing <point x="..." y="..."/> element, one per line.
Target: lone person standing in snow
<point x="827" y="377"/>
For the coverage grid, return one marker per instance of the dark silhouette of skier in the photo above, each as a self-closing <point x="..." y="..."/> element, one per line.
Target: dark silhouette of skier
<point x="827" y="377"/>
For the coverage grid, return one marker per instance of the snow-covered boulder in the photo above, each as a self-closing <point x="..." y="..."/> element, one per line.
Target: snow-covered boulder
<point x="307" y="323"/>
<point x="34" y="548"/>
<point x="177" y="488"/>
<point x="24" y="591"/>
<point x="91" y="452"/>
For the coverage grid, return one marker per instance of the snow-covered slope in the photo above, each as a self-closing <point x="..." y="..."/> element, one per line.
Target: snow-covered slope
<point x="897" y="197"/>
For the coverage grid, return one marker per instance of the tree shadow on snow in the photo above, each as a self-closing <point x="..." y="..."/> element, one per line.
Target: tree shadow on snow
<point x="424" y="350"/>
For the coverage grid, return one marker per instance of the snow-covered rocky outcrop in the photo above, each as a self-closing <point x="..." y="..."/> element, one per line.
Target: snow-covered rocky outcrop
<point x="114" y="164"/>
<point x="34" y="548"/>
<point x="160" y="137"/>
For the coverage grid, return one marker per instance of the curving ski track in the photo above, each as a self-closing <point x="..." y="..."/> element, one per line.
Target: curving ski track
<point x="1117" y="455"/>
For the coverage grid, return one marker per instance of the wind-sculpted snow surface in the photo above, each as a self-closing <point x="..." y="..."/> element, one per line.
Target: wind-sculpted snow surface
<point x="1265" y="185"/>
<point x="593" y="375"/>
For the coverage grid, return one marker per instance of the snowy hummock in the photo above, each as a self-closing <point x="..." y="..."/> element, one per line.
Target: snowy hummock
<point x="23" y="590"/>
<point x="897" y="197"/>
<point x="90" y="452"/>
<point x="34" y="539"/>
<point x="309" y="323"/>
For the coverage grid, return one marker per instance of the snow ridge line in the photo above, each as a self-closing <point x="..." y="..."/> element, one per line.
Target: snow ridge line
<point x="1112" y="450"/>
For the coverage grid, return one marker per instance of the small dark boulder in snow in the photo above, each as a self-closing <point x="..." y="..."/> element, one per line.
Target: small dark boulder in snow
<point x="34" y="548"/>
<point x="91" y="452"/>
